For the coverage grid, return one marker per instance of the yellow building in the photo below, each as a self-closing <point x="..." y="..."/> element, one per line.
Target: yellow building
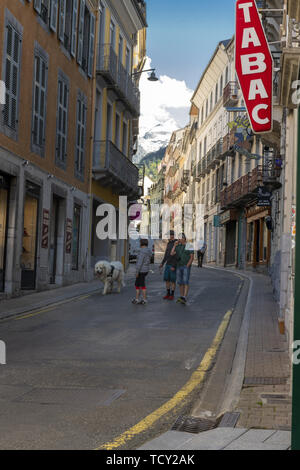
<point x="121" y="48"/>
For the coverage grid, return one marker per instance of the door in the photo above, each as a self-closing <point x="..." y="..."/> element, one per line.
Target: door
<point x="4" y="191"/>
<point x="30" y="234"/>
<point x="230" y="243"/>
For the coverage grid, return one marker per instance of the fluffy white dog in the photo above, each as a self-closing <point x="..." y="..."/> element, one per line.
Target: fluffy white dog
<point x="109" y="273"/>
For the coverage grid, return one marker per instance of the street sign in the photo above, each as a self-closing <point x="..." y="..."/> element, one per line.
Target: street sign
<point x="264" y="197"/>
<point x="254" y="66"/>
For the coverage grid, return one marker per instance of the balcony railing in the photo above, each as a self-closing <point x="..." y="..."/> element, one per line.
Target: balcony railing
<point x="112" y="168"/>
<point x="110" y="67"/>
<point x="245" y="188"/>
<point x="230" y="94"/>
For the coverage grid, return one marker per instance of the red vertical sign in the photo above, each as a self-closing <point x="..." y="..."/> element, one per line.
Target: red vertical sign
<point x="254" y="66"/>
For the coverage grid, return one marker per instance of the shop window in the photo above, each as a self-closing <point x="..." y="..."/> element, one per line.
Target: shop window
<point x="76" y="238"/>
<point x="28" y="257"/>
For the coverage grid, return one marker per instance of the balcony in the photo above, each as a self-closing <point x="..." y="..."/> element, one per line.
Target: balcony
<point x="230" y="94"/>
<point x="185" y="180"/>
<point x="245" y="189"/>
<point x="115" y="75"/>
<point x="112" y="168"/>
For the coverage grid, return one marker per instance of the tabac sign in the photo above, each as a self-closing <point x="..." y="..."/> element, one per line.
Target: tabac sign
<point x="254" y="66"/>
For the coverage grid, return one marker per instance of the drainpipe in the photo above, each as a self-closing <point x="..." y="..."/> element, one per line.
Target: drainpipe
<point x="296" y="367"/>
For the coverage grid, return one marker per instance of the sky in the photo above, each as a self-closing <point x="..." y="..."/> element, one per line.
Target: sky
<point x="181" y="38"/>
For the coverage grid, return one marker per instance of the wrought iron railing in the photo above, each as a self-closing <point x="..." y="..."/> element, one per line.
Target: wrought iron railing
<point x="109" y="159"/>
<point x="230" y="93"/>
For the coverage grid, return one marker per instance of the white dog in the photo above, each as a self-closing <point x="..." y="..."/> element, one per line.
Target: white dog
<point x="109" y="273"/>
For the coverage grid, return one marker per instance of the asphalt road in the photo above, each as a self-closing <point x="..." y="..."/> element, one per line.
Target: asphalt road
<point x="81" y="374"/>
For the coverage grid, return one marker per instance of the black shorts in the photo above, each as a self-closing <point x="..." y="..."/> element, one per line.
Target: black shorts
<point x="140" y="282"/>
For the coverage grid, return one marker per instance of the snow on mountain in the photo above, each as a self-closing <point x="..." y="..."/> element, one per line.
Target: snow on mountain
<point x="165" y="107"/>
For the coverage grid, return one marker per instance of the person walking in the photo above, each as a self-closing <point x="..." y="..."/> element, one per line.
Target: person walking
<point x="200" y="253"/>
<point x="170" y="269"/>
<point x="142" y="269"/>
<point x="185" y="258"/>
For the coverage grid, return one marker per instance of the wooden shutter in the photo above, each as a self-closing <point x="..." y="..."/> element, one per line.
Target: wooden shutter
<point x="91" y="45"/>
<point x="74" y="28"/>
<point x="80" y="134"/>
<point x="39" y="101"/>
<point x="53" y="15"/>
<point x="80" y="32"/>
<point x="62" y="19"/>
<point x="37" y="5"/>
<point x="62" y="121"/>
<point x="12" y="76"/>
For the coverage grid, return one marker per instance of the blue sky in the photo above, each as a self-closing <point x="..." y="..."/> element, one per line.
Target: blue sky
<point x="183" y="34"/>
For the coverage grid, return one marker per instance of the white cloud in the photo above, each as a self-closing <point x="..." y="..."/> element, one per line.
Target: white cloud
<point x="164" y="107"/>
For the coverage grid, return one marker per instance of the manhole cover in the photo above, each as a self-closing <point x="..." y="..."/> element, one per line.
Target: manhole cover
<point x="194" y="425"/>
<point x="253" y="381"/>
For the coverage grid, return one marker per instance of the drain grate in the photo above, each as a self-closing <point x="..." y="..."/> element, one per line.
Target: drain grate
<point x="229" y="420"/>
<point x="253" y="381"/>
<point x="194" y="425"/>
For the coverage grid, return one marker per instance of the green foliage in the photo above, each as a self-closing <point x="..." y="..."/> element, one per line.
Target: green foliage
<point x="151" y="162"/>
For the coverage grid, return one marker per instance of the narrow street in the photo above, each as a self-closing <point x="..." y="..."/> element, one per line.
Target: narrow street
<point x="80" y="374"/>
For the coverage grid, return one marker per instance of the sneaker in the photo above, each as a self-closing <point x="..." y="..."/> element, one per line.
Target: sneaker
<point x="171" y="297"/>
<point x="179" y="300"/>
<point x="143" y="302"/>
<point x="135" y="301"/>
<point x="166" y="297"/>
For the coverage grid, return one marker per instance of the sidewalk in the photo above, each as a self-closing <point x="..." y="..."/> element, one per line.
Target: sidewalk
<point x="37" y="300"/>
<point x="265" y="402"/>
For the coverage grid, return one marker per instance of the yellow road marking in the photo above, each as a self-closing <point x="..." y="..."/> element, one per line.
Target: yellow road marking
<point x="49" y="309"/>
<point x="196" y="379"/>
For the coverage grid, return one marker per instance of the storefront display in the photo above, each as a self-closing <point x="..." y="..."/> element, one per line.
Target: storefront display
<point x="28" y="258"/>
<point x="3" y="227"/>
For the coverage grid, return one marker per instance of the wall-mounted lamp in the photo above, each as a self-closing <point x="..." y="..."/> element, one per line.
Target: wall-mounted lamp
<point x="152" y="78"/>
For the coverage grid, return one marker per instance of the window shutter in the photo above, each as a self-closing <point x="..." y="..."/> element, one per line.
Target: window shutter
<point x="37" y="5"/>
<point x="39" y="102"/>
<point x="62" y="18"/>
<point x="62" y="122"/>
<point x="80" y="32"/>
<point x="91" y="45"/>
<point x="74" y="27"/>
<point x="80" y="135"/>
<point x="12" y="76"/>
<point x="53" y="15"/>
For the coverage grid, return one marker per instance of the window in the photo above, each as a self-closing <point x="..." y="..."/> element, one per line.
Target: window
<point x="12" y="61"/>
<point x="221" y="86"/>
<point x="39" y="102"/>
<point x="76" y="238"/>
<point x="42" y="7"/>
<point x="226" y="75"/>
<point x="62" y="120"/>
<point x="216" y="94"/>
<point x="80" y="135"/>
<point x="125" y="138"/>
<point x="211" y="101"/>
<point x="127" y="63"/>
<point x="86" y="39"/>
<point x="117" y="131"/>
<point x="112" y="37"/>
<point x="121" y="43"/>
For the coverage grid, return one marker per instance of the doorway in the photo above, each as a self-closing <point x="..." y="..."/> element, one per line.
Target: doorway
<point x="230" y="243"/>
<point x="57" y="229"/>
<point x="30" y="235"/>
<point x="4" y="197"/>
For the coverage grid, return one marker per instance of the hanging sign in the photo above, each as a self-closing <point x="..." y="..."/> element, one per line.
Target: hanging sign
<point x="254" y="66"/>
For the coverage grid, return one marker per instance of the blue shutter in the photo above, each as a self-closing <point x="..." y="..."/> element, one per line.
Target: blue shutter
<point x="91" y="45"/>
<point x="62" y="19"/>
<point x="53" y="15"/>
<point x="74" y="27"/>
<point x="12" y="77"/>
<point x="37" y="5"/>
<point x="80" y="32"/>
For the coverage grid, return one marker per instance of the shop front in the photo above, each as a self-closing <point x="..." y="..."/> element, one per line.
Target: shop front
<point x="30" y="236"/>
<point x="258" y="237"/>
<point x="4" y="198"/>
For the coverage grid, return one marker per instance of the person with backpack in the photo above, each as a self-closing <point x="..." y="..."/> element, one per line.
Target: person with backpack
<point x="185" y="258"/>
<point x="142" y="269"/>
<point x="170" y="269"/>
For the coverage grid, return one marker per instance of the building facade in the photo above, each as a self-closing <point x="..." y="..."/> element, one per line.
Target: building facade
<point x="47" y="54"/>
<point x="121" y="47"/>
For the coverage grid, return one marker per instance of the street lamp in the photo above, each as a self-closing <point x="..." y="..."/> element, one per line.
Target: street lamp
<point x="152" y="78"/>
